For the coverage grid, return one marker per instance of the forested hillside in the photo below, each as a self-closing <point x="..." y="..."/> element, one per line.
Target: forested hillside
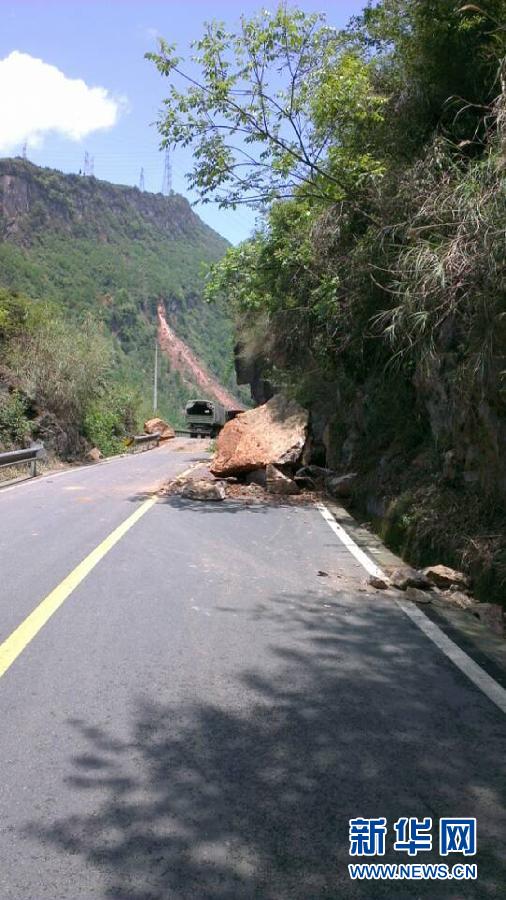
<point x="375" y="291"/>
<point x="83" y="265"/>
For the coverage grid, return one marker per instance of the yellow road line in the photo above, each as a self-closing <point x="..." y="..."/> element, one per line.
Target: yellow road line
<point x="30" y="627"/>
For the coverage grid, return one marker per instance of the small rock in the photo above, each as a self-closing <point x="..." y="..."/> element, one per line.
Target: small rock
<point x="418" y="596"/>
<point x="445" y="577"/>
<point x="303" y="481"/>
<point x="94" y="454"/>
<point x="450" y="465"/>
<point x="315" y="474"/>
<point x="382" y="584"/>
<point x="279" y="483"/>
<point x="203" y="490"/>
<point x="492" y="615"/>
<point x="408" y="577"/>
<point x="422" y="460"/>
<point x="457" y="598"/>
<point x="258" y="476"/>
<point x="340" y="485"/>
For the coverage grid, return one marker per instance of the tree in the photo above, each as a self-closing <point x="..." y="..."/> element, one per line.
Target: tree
<point x="437" y="61"/>
<point x="284" y="106"/>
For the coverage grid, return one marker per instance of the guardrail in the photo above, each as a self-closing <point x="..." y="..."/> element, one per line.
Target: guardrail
<point x="17" y="457"/>
<point x="138" y="440"/>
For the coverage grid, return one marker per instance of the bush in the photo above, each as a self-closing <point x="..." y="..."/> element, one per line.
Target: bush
<point x="111" y="419"/>
<point x="62" y="365"/>
<point x="14" y="425"/>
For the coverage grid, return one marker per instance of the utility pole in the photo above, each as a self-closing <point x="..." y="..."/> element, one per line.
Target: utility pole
<point x="167" y="175"/>
<point x="155" y="381"/>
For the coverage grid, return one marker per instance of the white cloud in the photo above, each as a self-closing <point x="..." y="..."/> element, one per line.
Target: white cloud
<point x="37" y="99"/>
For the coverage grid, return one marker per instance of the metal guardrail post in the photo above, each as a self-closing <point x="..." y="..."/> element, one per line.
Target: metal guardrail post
<point x="28" y="455"/>
<point x="139" y="439"/>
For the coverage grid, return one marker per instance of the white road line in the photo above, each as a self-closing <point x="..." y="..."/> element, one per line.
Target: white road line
<point x="478" y="676"/>
<point x="472" y="670"/>
<point x="72" y="470"/>
<point x="349" y="543"/>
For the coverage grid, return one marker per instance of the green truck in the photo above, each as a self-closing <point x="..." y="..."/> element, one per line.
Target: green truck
<point x="205" y="418"/>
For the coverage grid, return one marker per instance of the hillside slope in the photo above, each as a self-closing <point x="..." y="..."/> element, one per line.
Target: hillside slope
<point x="113" y="253"/>
<point x="188" y="365"/>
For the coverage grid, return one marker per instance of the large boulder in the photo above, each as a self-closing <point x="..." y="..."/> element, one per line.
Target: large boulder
<point x="156" y="425"/>
<point x="272" y="434"/>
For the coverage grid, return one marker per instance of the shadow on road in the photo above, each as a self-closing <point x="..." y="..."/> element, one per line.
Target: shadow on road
<point x="250" y="797"/>
<point x="231" y="506"/>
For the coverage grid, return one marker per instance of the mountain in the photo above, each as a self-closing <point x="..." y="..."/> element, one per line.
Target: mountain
<point x="115" y="253"/>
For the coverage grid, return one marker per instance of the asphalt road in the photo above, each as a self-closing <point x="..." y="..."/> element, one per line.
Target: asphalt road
<point x="205" y="712"/>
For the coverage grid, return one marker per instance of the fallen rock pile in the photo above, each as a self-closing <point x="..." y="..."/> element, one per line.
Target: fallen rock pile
<point x="441" y="583"/>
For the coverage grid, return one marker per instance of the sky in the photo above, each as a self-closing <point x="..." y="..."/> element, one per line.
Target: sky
<point x="73" y="80"/>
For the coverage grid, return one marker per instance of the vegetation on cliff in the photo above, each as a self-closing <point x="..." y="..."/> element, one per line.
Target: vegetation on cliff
<point x="375" y="290"/>
<point x="95" y="259"/>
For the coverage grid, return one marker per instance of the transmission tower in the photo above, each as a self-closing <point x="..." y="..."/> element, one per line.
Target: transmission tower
<point x="24" y="150"/>
<point x="89" y="164"/>
<point x="141" y="181"/>
<point x="167" y="175"/>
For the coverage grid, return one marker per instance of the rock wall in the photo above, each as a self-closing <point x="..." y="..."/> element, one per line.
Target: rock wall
<point x="76" y="204"/>
<point x="249" y="370"/>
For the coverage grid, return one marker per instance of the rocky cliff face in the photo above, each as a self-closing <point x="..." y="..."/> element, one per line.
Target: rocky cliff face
<point x="249" y="370"/>
<point x="73" y="204"/>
